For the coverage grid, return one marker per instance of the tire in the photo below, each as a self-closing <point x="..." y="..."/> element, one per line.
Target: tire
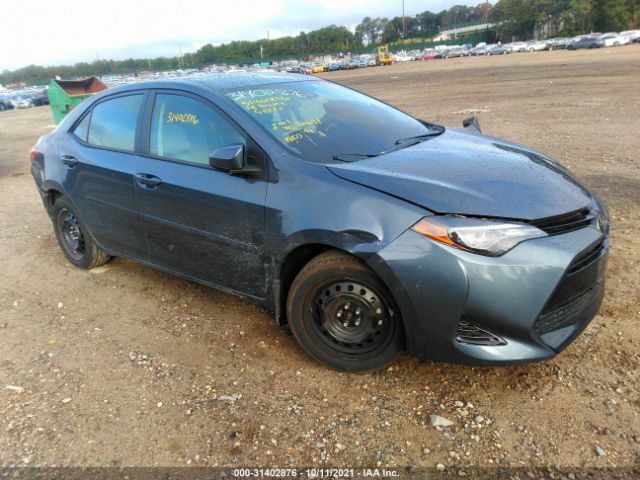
<point x="343" y="316"/>
<point x="74" y="237"/>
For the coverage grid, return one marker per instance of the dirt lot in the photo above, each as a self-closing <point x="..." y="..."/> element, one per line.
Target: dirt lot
<point x="128" y="366"/>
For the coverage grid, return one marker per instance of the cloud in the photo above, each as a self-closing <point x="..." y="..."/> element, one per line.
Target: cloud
<point x="48" y="33"/>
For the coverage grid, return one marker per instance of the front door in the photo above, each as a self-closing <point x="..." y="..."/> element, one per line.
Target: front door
<point x="199" y="221"/>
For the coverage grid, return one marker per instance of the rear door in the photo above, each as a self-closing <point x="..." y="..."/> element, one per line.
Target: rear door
<point x="99" y="160"/>
<point x="199" y="221"/>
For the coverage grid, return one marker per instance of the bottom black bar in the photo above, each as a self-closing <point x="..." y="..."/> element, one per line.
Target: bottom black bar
<point x="403" y="473"/>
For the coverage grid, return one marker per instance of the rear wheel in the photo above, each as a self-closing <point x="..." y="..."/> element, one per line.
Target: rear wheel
<point x="74" y="237"/>
<point x="343" y="315"/>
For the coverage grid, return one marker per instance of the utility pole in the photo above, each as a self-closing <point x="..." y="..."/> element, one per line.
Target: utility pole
<point x="404" y="25"/>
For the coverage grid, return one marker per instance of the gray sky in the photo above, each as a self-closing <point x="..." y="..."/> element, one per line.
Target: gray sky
<point x="45" y="32"/>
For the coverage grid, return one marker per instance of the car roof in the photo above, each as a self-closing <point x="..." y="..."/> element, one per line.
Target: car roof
<point x="220" y="81"/>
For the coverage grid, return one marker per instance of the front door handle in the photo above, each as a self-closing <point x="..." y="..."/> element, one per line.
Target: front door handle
<point x="69" y="160"/>
<point x="148" y="180"/>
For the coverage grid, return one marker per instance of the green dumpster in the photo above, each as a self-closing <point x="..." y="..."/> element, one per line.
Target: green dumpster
<point x="64" y="95"/>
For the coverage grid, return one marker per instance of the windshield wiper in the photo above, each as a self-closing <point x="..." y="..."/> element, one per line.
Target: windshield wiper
<point x="343" y="157"/>
<point x="434" y="131"/>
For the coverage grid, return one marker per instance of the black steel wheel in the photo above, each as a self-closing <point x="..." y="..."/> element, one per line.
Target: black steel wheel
<point x="343" y="315"/>
<point x="74" y="238"/>
<point x="348" y="317"/>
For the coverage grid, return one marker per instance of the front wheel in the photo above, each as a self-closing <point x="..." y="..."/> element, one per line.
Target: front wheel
<point x="74" y="237"/>
<point x="343" y="315"/>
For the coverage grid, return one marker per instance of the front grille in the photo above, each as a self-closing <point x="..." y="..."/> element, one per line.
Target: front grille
<point x="586" y="258"/>
<point x="567" y="222"/>
<point x="566" y="314"/>
<point x="473" y="335"/>
<point x="582" y="274"/>
<point x="574" y="299"/>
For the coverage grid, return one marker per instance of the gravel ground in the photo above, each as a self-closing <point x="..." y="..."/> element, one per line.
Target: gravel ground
<point x="128" y="366"/>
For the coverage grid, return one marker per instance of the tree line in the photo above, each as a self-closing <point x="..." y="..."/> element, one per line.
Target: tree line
<point x="526" y="19"/>
<point x="514" y="20"/>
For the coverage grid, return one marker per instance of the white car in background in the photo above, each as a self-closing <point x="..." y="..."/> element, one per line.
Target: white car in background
<point x="536" y="46"/>
<point x="631" y="34"/>
<point x="613" y="39"/>
<point x="22" y="101"/>
<point x="402" y="57"/>
<point x="519" y="46"/>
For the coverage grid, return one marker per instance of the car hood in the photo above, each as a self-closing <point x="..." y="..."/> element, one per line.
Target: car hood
<point x="470" y="174"/>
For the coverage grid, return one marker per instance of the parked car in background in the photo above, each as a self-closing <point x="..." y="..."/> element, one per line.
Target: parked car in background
<point x="631" y="34"/>
<point x="586" y="42"/>
<point x="402" y="57"/>
<point x="371" y="61"/>
<point x="455" y="52"/>
<point x="22" y="101"/>
<point x="367" y="231"/>
<point x="479" y="50"/>
<point x="536" y="46"/>
<point x="519" y="47"/>
<point x="40" y="98"/>
<point x="428" y="54"/>
<point x="559" y="43"/>
<point x="500" y="49"/>
<point x="5" y="102"/>
<point x="360" y="63"/>
<point x="613" y="39"/>
<point x="292" y="68"/>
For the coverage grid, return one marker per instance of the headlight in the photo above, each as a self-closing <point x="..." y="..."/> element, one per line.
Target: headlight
<point x="603" y="223"/>
<point x="486" y="237"/>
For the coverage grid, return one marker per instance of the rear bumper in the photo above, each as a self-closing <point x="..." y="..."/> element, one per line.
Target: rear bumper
<point x="524" y="306"/>
<point x="37" y="172"/>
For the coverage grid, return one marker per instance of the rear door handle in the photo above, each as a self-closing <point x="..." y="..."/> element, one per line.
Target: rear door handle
<point x="69" y="161"/>
<point x="148" y="180"/>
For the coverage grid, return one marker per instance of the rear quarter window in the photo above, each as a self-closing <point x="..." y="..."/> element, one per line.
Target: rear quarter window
<point x="82" y="129"/>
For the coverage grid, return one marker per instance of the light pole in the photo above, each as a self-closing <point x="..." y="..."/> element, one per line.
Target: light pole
<point x="404" y="25"/>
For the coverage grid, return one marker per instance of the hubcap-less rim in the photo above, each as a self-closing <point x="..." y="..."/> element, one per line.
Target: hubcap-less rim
<point x="72" y="236"/>
<point x="349" y="318"/>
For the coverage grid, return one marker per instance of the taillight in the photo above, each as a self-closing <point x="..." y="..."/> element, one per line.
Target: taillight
<point x="33" y="154"/>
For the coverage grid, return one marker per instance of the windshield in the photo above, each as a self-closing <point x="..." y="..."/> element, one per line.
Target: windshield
<point x="320" y="121"/>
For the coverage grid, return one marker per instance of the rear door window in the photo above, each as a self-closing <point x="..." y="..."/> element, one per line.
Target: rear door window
<point x="188" y="130"/>
<point x="113" y="123"/>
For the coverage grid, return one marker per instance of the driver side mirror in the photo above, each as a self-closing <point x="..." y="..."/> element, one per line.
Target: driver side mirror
<point x="229" y="159"/>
